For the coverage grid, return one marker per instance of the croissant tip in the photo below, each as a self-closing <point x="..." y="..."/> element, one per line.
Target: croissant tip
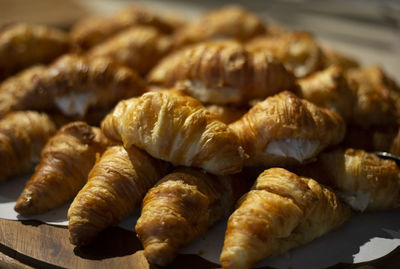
<point x="159" y="253"/>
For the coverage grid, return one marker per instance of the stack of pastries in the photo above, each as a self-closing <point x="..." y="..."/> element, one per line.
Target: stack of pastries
<point x="178" y="119"/>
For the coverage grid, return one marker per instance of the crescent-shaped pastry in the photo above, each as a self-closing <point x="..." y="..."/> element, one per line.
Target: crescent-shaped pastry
<point x="285" y="130"/>
<point x="23" y="45"/>
<point x="181" y="207"/>
<point x="299" y="51"/>
<point x="230" y="22"/>
<point x="116" y="186"/>
<point x="222" y="72"/>
<point x="92" y="31"/>
<point x="363" y="180"/>
<point x="177" y="129"/>
<point x="329" y="89"/>
<point x="63" y="169"/>
<point x="22" y="137"/>
<point x="139" y="47"/>
<point x="281" y="211"/>
<point x="377" y="97"/>
<point x="73" y="84"/>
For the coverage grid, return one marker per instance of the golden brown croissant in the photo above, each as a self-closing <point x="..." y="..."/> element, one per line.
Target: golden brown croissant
<point x="222" y="72"/>
<point x="282" y="211"/>
<point x="333" y="57"/>
<point x="94" y="30"/>
<point x="227" y="114"/>
<point x="23" y="45"/>
<point x="361" y="179"/>
<point x="22" y="137"/>
<point x="299" y="51"/>
<point x="285" y="130"/>
<point x="181" y="207"/>
<point x="138" y="47"/>
<point x="230" y="22"/>
<point x="177" y="129"/>
<point x="72" y="84"/>
<point x="377" y="97"/>
<point x="329" y="89"/>
<point x="116" y="186"/>
<point x="63" y="169"/>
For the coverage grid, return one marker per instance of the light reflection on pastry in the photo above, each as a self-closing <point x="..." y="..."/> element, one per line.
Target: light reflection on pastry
<point x="181" y="207"/>
<point x="23" y="45"/>
<point x="178" y="129"/>
<point x="222" y="73"/>
<point x="285" y="130"/>
<point x="230" y="22"/>
<point x="63" y="169"/>
<point x="138" y="47"/>
<point x="365" y="181"/>
<point x="116" y="186"/>
<point x="281" y="211"/>
<point x="22" y="137"/>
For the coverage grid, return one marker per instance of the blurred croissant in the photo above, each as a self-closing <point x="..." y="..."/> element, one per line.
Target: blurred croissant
<point x="23" y="45"/>
<point x="226" y="114"/>
<point x="139" y="48"/>
<point x="230" y="22"/>
<point x="22" y="137"/>
<point x="377" y="97"/>
<point x="178" y="129"/>
<point x="281" y="211"/>
<point x="285" y="130"/>
<point x="299" y="51"/>
<point x="116" y="186"/>
<point x="333" y="57"/>
<point x="363" y="180"/>
<point x="329" y="89"/>
<point x="222" y="73"/>
<point x="181" y="207"/>
<point x="63" y="169"/>
<point x="92" y="31"/>
<point x="72" y="84"/>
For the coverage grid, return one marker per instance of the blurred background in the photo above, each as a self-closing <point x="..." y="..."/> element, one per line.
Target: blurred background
<point x="365" y="29"/>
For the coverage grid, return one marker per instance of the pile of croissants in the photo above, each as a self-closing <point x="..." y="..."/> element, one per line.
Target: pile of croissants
<point x="227" y="115"/>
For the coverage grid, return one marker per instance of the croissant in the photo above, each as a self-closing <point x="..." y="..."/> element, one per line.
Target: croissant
<point x="177" y="129"/>
<point x="116" y="186"/>
<point x="329" y="89"/>
<point x="299" y="51"/>
<point x="363" y="180"/>
<point x="23" y="45"/>
<point x="139" y="48"/>
<point x="22" y="137"/>
<point x="63" y="169"/>
<point x="230" y="22"/>
<point x="285" y="130"/>
<point x="222" y="73"/>
<point x="226" y="114"/>
<point x="181" y="207"/>
<point x="72" y="84"/>
<point x="377" y="97"/>
<point x="93" y="30"/>
<point x="282" y="211"/>
<point x="333" y="57"/>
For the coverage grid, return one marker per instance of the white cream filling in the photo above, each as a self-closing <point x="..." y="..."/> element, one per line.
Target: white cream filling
<point x="357" y="200"/>
<point x="299" y="149"/>
<point x="220" y="95"/>
<point x="74" y="103"/>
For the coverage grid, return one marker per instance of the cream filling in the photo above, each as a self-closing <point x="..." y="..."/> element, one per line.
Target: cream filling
<point x="74" y="103"/>
<point x="358" y="200"/>
<point x="219" y="95"/>
<point x="299" y="149"/>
